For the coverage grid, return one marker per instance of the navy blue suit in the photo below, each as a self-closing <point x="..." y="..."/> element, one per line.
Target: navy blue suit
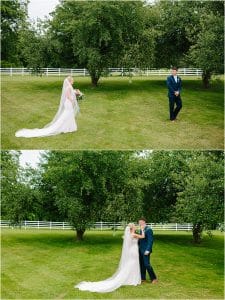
<point x="146" y="245"/>
<point x="174" y="86"/>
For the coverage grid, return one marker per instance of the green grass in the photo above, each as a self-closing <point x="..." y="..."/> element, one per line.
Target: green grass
<point x="115" y="115"/>
<point x="44" y="264"/>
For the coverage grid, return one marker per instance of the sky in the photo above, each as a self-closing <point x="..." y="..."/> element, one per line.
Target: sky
<point x="41" y="8"/>
<point x="30" y="157"/>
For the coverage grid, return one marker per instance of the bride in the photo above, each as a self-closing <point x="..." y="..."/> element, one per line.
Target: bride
<point x="128" y="272"/>
<point x="64" y="120"/>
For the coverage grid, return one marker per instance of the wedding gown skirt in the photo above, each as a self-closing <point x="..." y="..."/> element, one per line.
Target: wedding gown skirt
<point x="127" y="274"/>
<point x="65" y="123"/>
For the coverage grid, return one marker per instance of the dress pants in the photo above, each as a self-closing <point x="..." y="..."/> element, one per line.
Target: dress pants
<point x="172" y="101"/>
<point x="145" y="265"/>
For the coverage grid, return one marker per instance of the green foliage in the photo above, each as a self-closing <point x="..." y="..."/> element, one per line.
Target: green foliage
<point x="191" y="33"/>
<point x="83" y="187"/>
<point x="102" y="34"/>
<point x="86" y="186"/>
<point x="13" y="18"/>
<point x="201" y="202"/>
<point x="32" y="50"/>
<point x="172" y="41"/>
<point x="162" y="172"/>
<point x="19" y="200"/>
<point x="207" y="52"/>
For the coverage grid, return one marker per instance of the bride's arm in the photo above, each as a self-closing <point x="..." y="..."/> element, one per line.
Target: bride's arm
<point x="68" y="94"/>
<point x="139" y="236"/>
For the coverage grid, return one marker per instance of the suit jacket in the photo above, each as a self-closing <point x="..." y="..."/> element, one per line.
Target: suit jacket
<point x="146" y="243"/>
<point x="173" y="86"/>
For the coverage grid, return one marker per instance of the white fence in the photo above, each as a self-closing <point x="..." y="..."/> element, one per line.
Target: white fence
<point x="96" y="226"/>
<point x="107" y="72"/>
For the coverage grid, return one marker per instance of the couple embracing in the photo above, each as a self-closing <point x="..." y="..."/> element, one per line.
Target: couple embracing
<point x="134" y="261"/>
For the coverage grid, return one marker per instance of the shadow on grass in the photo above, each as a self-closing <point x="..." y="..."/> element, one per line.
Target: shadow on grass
<point x="64" y="240"/>
<point x="186" y="240"/>
<point x="92" y="238"/>
<point x="123" y="85"/>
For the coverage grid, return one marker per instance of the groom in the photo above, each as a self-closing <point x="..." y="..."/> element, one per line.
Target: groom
<point x="174" y="89"/>
<point x="145" y="250"/>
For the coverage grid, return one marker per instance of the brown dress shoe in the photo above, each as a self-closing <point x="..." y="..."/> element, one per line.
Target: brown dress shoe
<point x="155" y="281"/>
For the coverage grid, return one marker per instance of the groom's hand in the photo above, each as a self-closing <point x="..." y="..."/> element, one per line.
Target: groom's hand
<point x="146" y="252"/>
<point x="176" y="93"/>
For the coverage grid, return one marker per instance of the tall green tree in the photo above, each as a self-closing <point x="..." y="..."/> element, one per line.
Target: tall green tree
<point x="19" y="198"/>
<point x="207" y="52"/>
<point x="201" y="201"/>
<point x="101" y="34"/>
<point x="32" y="50"/>
<point x="161" y="172"/>
<point x="172" y="41"/>
<point x="86" y="186"/>
<point x="190" y="33"/>
<point x="13" y="19"/>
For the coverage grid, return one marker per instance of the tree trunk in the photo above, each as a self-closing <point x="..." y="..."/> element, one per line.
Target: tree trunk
<point x="94" y="80"/>
<point x="197" y="231"/>
<point x="206" y="76"/>
<point x="80" y="234"/>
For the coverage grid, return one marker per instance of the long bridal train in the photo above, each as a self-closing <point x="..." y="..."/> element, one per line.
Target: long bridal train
<point x="128" y="272"/>
<point x="64" y="120"/>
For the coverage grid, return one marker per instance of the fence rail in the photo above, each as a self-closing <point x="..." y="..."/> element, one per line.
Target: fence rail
<point x="107" y="72"/>
<point x="96" y="226"/>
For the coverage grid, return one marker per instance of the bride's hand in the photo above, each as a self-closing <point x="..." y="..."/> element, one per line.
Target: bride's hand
<point x="77" y="92"/>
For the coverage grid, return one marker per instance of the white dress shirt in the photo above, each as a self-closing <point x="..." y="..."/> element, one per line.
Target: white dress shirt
<point x="175" y="77"/>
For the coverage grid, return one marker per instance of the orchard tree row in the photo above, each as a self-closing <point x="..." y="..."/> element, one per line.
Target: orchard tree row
<point x="83" y="187"/>
<point x="100" y="34"/>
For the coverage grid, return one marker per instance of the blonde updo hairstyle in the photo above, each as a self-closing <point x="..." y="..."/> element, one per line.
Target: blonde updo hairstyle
<point x="131" y="225"/>
<point x="70" y="78"/>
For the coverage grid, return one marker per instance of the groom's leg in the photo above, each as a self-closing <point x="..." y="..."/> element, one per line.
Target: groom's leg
<point x="142" y="266"/>
<point x="178" y="106"/>
<point x="149" y="267"/>
<point x="171" y="108"/>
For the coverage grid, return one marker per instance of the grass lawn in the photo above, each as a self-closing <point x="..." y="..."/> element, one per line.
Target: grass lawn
<point x="115" y="115"/>
<point x="44" y="264"/>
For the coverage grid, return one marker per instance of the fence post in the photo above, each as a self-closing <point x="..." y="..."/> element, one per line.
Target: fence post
<point x="101" y="225"/>
<point x="189" y="227"/>
<point x="50" y="224"/>
<point x="176" y="226"/>
<point x="38" y="224"/>
<point x="11" y="71"/>
<point x="59" y="71"/>
<point x="25" y="224"/>
<point x="47" y="72"/>
<point x="84" y="72"/>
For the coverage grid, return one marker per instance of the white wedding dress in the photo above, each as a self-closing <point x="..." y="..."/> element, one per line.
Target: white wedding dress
<point x="128" y="272"/>
<point x="64" y="121"/>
